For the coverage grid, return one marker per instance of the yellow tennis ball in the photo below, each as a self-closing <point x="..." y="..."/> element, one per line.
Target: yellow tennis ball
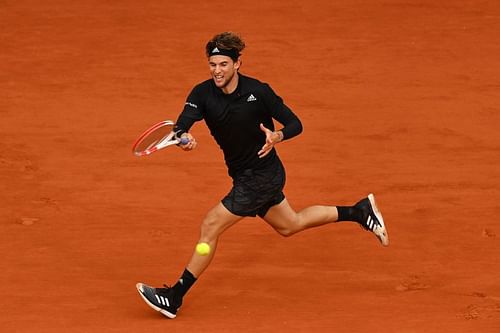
<point x="202" y="249"/>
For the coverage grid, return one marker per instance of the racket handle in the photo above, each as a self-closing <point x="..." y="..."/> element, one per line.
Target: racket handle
<point x="184" y="141"/>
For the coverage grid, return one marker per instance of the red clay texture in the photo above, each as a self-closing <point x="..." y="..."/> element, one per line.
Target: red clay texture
<point x="397" y="97"/>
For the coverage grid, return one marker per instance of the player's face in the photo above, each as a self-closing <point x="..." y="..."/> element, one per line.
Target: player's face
<point x="223" y="70"/>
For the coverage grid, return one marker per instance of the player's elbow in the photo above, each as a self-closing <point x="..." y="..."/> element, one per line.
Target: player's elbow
<point x="300" y="128"/>
<point x="297" y="127"/>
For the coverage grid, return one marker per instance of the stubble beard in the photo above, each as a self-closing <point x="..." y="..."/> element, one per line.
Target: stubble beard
<point x="225" y="83"/>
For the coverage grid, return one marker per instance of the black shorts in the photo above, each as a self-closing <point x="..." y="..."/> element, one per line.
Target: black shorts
<point x="255" y="191"/>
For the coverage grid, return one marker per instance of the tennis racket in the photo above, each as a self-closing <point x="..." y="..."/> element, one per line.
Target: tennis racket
<point x="157" y="137"/>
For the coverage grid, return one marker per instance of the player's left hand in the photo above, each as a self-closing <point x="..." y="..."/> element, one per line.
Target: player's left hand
<point x="272" y="138"/>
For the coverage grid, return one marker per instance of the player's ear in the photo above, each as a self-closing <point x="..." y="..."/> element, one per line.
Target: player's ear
<point x="237" y="64"/>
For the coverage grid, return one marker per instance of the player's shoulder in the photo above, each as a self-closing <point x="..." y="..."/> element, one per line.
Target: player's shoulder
<point x="202" y="91"/>
<point x="251" y="81"/>
<point x="203" y="86"/>
<point x="253" y="84"/>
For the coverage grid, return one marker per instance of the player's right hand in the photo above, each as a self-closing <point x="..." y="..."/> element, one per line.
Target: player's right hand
<point x="191" y="144"/>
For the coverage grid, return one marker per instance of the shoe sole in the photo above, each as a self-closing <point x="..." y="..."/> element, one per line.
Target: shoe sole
<point x="380" y="232"/>
<point x="164" y="312"/>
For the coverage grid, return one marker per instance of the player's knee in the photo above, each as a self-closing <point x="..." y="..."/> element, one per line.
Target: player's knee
<point x="287" y="226"/>
<point x="287" y="232"/>
<point x="208" y="226"/>
<point x="211" y="227"/>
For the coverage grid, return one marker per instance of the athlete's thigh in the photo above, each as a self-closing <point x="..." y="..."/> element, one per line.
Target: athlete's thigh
<point x="281" y="217"/>
<point x="218" y="219"/>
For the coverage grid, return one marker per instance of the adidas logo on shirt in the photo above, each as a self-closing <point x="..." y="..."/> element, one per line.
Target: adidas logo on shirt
<point x="251" y="98"/>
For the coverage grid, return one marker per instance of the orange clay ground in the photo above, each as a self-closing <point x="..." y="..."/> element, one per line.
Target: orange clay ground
<point x="397" y="97"/>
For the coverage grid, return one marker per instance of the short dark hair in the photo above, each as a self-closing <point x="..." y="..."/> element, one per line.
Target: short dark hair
<point x="226" y="41"/>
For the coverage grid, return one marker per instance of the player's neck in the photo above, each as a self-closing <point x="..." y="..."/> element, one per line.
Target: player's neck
<point x="232" y="85"/>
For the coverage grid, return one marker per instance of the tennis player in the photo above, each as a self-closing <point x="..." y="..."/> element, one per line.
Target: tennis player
<point x="239" y="111"/>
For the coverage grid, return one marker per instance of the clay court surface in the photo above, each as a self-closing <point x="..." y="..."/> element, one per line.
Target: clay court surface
<point x="397" y="97"/>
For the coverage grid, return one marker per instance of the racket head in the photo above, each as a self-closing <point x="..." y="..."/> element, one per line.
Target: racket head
<point x="156" y="137"/>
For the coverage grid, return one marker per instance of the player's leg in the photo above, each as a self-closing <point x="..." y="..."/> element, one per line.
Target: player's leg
<point x="286" y="221"/>
<point x="215" y="223"/>
<point x="168" y="300"/>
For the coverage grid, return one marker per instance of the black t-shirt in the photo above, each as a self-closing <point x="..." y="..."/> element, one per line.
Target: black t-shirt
<point x="234" y="119"/>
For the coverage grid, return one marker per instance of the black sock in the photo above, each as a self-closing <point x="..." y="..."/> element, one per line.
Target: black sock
<point x="349" y="213"/>
<point x="185" y="282"/>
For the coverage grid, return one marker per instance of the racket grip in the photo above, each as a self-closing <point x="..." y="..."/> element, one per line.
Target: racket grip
<point x="184" y="141"/>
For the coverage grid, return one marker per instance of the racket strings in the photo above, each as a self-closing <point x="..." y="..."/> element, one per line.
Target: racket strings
<point x="157" y="137"/>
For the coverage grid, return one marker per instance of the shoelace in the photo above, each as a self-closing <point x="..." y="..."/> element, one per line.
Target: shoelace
<point x="163" y="291"/>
